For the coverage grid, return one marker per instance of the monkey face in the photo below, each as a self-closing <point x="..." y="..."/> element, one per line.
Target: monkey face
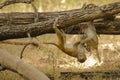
<point x="81" y="54"/>
<point x="81" y="57"/>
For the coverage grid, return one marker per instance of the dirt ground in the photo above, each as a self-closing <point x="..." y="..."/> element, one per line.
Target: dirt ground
<point x="51" y="60"/>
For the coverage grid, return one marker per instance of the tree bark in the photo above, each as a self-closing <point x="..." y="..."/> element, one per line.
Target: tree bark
<point x="23" y="69"/>
<point x="9" y="31"/>
<point x="21" y="18"/>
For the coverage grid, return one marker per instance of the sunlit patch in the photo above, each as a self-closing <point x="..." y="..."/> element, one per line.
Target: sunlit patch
<point x="63" y="1"/>
<point x="90" y="62"/>
<point x="40" y="9"/>
<point x="118" y="43"/>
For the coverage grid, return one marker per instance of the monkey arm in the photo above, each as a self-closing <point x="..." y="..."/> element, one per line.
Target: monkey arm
<point x="98" y="55"/>
<point x="90" y="33"/>
<point x="82" y="41"/>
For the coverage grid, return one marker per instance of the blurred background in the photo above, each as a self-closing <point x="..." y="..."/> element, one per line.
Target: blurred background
<point x="50" y="59"/>
<point x="52" y="5"/>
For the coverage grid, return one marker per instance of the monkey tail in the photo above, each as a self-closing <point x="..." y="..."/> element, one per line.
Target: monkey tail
<point x="34" y="44"/>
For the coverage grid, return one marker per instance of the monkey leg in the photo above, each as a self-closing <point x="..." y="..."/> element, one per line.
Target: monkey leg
<point x="61" y="35"/>
<point x="98" y="55"/>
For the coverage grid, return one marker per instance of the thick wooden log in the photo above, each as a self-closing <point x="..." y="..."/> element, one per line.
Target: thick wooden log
<point x="22" y="18"/>
<point x="92" y="75"/>
<point x="18" y="66"/>
<point x="10" y="31"/>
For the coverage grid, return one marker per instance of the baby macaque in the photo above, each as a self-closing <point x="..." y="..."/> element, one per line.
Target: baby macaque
<point x="76" y="50"/>
<point x="90" y="38"/>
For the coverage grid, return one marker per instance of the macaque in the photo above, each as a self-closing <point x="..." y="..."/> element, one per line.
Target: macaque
<point x="90" y="38"/>
<point x="76" y="50"/>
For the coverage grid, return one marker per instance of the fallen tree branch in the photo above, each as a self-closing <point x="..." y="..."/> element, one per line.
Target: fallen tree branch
<point x="106" y="74"/>
<point x="18" y="66"/>
<point x="73" y="18"/>
<point x="21" y="18"/>
<point x="36" y="29"/>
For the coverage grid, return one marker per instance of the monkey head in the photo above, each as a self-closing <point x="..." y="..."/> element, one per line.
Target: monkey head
<point x="81" y="57"/>
<point x="81" y="54"/>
